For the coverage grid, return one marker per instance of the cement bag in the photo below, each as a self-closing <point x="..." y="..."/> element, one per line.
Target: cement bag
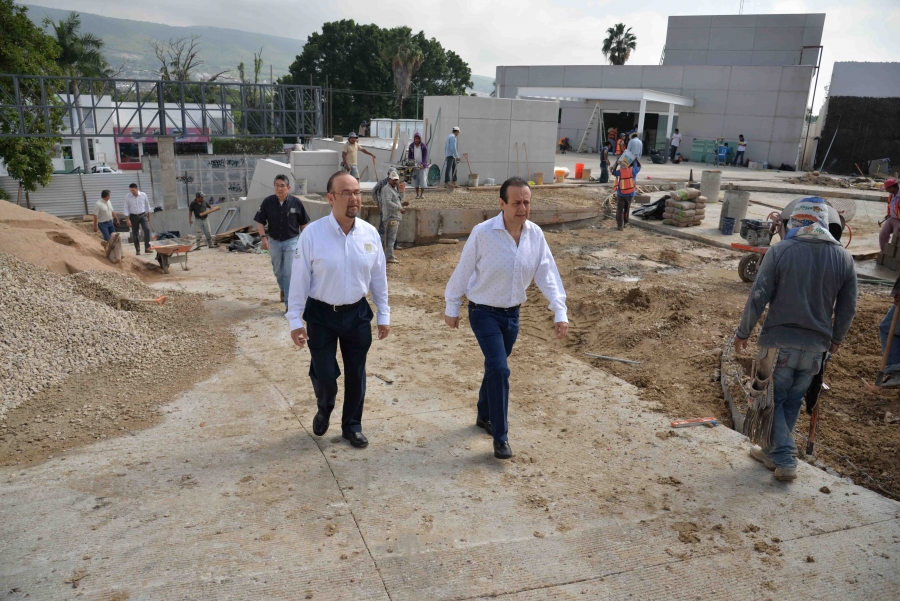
<point x="686" y="194"/>
<point x="681" y="204"/>
<point x="114" y="248"/>
<point x="677" y="223"/>
<point x="626" y="159"/>
<point x="682" y="214"/>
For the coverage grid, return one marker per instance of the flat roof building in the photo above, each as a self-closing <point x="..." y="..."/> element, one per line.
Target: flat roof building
<point x="720" y="77"/>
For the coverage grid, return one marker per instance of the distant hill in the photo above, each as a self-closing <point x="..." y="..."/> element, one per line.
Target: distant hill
<point x="482" y="85"/>
<point x="220" y="49"/>
<point x="127" y="41"/>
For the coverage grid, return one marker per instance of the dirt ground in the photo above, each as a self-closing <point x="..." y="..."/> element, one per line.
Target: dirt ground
<point x="670" y="304"/>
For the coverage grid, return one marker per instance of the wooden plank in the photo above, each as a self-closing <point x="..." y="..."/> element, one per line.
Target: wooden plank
<point x="212" y="210"/>
<point x="394" y="145"/>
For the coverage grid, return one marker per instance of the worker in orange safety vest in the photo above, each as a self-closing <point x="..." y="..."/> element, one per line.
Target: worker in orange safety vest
<point x="626" y="188"/>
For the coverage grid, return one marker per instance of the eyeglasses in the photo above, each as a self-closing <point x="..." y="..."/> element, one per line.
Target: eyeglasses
<point x="347" y="194"/>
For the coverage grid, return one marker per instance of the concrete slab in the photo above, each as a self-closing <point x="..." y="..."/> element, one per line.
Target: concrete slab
<point x="587" y="76"/>
<point x="707" y="77"/>
<point x="622" y="76"/>
<point x="471" y="107"/>
<point x="795" y="79"/>
<point x="535" y="110"/>
<point x="685" y="57"/>
<point x="662" y="78"/>
<point x="778" y="38"/>
<point x="787" y="130"/>
<point x="514" y="76"/>
<point x="750" y="127"/>
<point x="781" y="21"/>
<point x="231" y="497"/>
<point x="733" y="21"/>
<point x="732" y="38"/>
<point x="751" y="103"/>
<point x="812" y="35"/>
<point x="546" y="75"/>
<point x="779" y="58"/>
<point x="791" y="104"/>
<point x="710" y="102"/>
<point x="730" y="57"/>
<point x="262" y="184"/>
<point x="683" y="21"/>
<point x="688" y="38"/>
<point x="755" y="79"/>
<point x="815" y="20"/>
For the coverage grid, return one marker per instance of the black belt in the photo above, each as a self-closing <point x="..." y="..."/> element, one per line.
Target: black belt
<point x="475" y="305"/>
<point x="337" y="308"/>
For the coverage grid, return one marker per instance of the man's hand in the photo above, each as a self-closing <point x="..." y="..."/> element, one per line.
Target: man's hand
<point x="561" y="328"/>
<point x="265" y="244"/>
<point x="190" y="222"/>
<point x="834" y="348"/>
<point x="383" y="332"/>
<point x="740" y="345"/>
<point x="299" y="337"/>
<point x="453" y="322"/>
<point x="116" y="222"/>
<point x="897" y="299"/>
<point x="95" y="228"/>
<point x="405" y="203"/>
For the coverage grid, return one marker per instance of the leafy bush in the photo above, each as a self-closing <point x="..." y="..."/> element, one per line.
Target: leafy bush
<point x="247" y="146"/>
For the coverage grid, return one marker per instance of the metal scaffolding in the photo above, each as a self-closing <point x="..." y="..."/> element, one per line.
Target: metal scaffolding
<point x="34" y="106"/>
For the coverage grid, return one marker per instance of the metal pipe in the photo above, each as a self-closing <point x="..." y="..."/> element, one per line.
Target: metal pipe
<point x="613" y="359"/>
<point x="825" y="158"/>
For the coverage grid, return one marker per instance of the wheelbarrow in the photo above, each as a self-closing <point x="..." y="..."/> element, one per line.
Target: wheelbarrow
<point x="748" y="266"/>
<point x="172" y="250"/>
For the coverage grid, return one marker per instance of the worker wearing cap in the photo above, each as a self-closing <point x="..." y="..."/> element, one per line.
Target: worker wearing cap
<point x="195" y="211"/>
<point x="349" y="154"/>
<point x="499" y="261"/>
<point x="339" y="261"/>
<point x="892" y="223"/>
<point x="451" y="151"/>
<point x="390" y="200"/>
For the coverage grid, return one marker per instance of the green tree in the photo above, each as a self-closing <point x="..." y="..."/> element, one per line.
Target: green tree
<point x="619" y="44"/>
<point x="25" y="49"/>
<point x="405" y="56"/>
<point x="80" y="55"/>
<point x="353" y="58"/>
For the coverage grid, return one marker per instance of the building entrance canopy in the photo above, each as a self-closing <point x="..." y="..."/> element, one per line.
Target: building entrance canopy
<point x="612" y="94"/>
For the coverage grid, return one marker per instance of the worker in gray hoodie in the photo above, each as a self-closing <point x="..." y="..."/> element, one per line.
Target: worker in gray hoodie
<point x="809" y="282"/>
<point x="390" y="199"/>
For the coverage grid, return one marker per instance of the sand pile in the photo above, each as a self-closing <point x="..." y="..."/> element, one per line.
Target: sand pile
<point x="44" y="240"/>
<point x="54" y="326"/>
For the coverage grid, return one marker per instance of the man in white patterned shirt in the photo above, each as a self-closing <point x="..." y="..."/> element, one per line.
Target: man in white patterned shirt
<point x="137" y="217"/>
<point x="500" y="259"/>
<point x="338" y="260"/>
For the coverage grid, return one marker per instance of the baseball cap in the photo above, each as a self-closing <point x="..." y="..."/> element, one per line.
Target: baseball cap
<point x="198" y="195"/>
<point x="352" y="135"/>
<point x="455" y="128"/>
<point x="393" y="174"/>
<point x="889" y="182"/>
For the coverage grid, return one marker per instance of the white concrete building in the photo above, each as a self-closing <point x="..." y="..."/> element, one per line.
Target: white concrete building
<point x="722" y="76"/>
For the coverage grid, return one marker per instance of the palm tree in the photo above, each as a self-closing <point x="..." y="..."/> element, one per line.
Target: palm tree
<point x="405" y="57"/>
<point x="618" y="44"/>
<point x="79" y="56"/>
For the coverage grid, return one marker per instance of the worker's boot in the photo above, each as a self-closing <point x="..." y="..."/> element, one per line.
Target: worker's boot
<point x="760" y="455"/>
<point x="786" y="474"/>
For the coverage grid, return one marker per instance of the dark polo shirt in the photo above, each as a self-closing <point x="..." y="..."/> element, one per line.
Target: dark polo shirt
<point x="284" y="220"/>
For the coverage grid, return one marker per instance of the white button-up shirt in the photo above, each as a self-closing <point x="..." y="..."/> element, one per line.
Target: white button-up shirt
<point x="135" y="205"/>
<point x="494" y="271"/>
<point x="338" y="268"/>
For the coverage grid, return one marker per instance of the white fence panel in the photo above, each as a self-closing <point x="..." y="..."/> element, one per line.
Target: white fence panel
<point x="73" y="194"/>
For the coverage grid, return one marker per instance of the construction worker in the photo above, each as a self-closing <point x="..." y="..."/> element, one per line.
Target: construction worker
<point x="286" y="218"/>
<point x="195" y="211"/>
<point x="105" y="219"/>
<point x="451" y="152"/>
<point x="808" y="280"/>
<point x="892" y="222"/>
<point x="620" y="145"/>
<point x="494" y="274"/>
<point x="635" y="145"/>
<point x="892" y="367"/>
<point x="674" y="144"/>
<point x="349" y="155"/>
<point x="604" y="162"/>
<point x="390" y="200"/>
<point x="626" y="188"/>
<point x="418" y="152"/>
<point x="339" y="261"/>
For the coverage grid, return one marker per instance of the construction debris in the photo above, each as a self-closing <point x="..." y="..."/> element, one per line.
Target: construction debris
<point x="814" y="178"/>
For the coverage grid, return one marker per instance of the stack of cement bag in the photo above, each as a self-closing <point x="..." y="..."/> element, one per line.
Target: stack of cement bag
<point x="685" y="208"/>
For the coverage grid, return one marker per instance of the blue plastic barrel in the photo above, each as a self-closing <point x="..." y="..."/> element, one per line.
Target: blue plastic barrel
<point x="728" y="226"/>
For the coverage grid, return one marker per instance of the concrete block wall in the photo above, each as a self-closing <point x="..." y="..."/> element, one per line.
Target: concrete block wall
<point x="316" y="166"/>
<point x="492" y="130"/>
<point x="367" y="171"/>
<point x="774" y="40"/>
<point x="765" y="103"/>
<point x="263" y="182"/>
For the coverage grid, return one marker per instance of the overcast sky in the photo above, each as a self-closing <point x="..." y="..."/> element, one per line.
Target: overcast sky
<point x="523" y="32"/>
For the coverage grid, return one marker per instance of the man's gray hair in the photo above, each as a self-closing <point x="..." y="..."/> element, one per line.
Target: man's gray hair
<point x="284" y="178"/>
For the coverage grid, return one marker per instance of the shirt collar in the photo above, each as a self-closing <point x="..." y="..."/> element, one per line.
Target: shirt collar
<point x="499" y="225"/>
<point x="337" y="226"/>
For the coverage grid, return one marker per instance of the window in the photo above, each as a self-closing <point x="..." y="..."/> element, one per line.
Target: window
<point x="91" y="149"/>
<point x="559" y="116"/>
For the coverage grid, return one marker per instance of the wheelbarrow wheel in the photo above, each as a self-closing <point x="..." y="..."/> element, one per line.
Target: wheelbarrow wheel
<point x="749" y="267"/>
<point x="434" y="175"/>
<point x="163" y="261"/>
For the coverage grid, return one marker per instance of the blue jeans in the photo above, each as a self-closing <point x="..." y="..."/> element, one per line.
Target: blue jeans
<point x="282" y="253"/>
<point x="739" y="159"/>
<point x="107" y="228"/>
<point x="884" y="329"/>
<point x="792" y="375"/>
<point x="496" y="331"/>
<point x="449" y="169"/>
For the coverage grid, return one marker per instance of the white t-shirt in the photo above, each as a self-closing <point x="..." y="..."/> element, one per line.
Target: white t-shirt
<point x="742" y="146"/>
<point x="103" y="210"/>
<point x="417" y="154"/>
<point x="676" y="140"/>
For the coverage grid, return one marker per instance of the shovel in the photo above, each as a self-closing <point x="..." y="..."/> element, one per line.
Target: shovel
<point x="879" y="379"/>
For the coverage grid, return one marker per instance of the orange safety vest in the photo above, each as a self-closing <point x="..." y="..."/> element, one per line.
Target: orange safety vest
<point x="625" y="181"/>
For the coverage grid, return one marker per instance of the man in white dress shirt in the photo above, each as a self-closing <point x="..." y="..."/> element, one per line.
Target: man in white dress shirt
<point x="500" y="259"/>
<point x="137" y="217"/>
<point x="338" y="260"/>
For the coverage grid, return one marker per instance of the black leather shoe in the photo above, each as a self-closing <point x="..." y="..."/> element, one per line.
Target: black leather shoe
<point x="357" y="439"/>
<point x="502" y="450"/>
<point x="484" y="423"/>
<point x="320" y="424"/>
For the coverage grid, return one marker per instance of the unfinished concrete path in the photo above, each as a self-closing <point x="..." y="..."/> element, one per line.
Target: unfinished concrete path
<point x="231" y="497"/>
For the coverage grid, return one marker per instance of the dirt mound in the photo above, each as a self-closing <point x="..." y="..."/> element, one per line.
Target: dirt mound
<point x="47" y="241"/>
<point x="636" y="298"/>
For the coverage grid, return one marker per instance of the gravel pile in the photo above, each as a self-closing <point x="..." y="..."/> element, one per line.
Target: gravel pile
<point x="53" y="326"/>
